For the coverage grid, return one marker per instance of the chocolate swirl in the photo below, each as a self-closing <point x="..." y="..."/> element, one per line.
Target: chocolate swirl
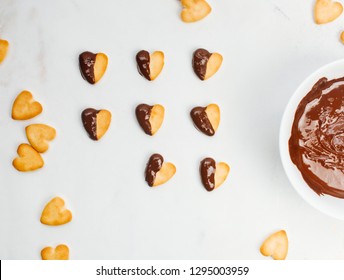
<point x="86" y="65"/>
<point x="316" y="144"/>
<point x="207" y="170"/>
<point x="143" y="61"/>
<point x="153" y="167"/>
<point x="201" y="120"/>
<point x="89" y="120"/>
<point x="200" y="61"/>
<point x="143" y="113"/>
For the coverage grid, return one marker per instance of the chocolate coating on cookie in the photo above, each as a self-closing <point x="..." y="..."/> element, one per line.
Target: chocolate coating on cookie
<point x="143" y="113"/>
<point x="200" y="61"/>
<point x="153" y="167"/>
<point x="86" y="65"/>
<point x="89" y="120"/>
<point x="143" y="61"/>
<point x="201" y="120"/>
<point x="207" y="170"/>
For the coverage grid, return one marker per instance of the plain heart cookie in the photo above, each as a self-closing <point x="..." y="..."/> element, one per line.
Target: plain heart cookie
<point x="55" y="213"/>
<point x="25" y="107"/>
<point x="342" y="37"/>
<point x="213" y="174"/>
<point x="206" y="64"/>
<point x="150" y="65"/>
<point x="61" y="252"/>
<point x="39" y="135"/>
<point x="96" y="122"/>
<point x="29" y="159"/>
<point x="149" y="117"/>
<point x="326" y="11"/>
<point x="276" y="246"/>
<point x="157" y="171"/>
<point x="92" y="66"/>
<point x="206" y="119"/>
<point x="194" y="10"/>
<point x="3" y="49"/>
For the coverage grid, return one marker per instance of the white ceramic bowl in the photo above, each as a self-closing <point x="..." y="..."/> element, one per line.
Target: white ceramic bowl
<point x="327" y="204"/>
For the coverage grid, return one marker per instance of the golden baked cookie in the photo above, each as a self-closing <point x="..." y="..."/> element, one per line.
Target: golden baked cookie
<point x="29" y="159"/>
<point x="61" y="252"/>
<point x="39" y="135"/>
<point x="25" y="107"/>
<point x="55" y="213"/>
<point x="276" y="246"/>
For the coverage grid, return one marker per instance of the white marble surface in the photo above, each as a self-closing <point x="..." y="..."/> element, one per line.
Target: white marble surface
<point x="269" y="47"/>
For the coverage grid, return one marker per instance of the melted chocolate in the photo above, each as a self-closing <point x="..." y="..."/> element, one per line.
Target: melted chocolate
<point x="143" y="60"/>
<point x="143" y="113"/>
<point x="89" y="120"/>
<point x="86" y="65"/>
<point x="153" y="167"/>
<point x="201" y="120"/>
<point x="316" y="144"/>
<point x="200" y="61"/>
<point x="207" y="170"/>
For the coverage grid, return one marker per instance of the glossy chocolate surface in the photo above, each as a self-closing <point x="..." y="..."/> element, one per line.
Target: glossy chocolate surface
<point x="143" y="113"/>
<point x="86" y="65"/>
<point x="200" y="61"/>
<point x="89" y="120"/>
<point x="153" y="167"/>
<point x="316" y="144"/>
<point x="207" y="170"/>
<point x="201" y="120"/>
<point x="143" y="61"/>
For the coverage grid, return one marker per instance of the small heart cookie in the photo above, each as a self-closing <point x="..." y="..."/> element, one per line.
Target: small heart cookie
<point x="213" y="174"/>
<point x="149" y="117"/>
<point x="61" y="252"/>
<point x="39" y="135"/>
<point x="206" y="119"/>
<point x="29" y="159"/>
<point x="276" y="245"/>
<point x="55" y="213"/>
<point x="342" y="37"/>
<point x="3" y="49"/>
<point x="96" y="122"/>
<point x="326" y="11"/>
<point x="92" y="66"/>
<point x="150" y="66"/>
<point x="157" y="171"/>
<point x="206" y="64"/>
<point x="194" y="10"/>
<point x="25" y="107"/>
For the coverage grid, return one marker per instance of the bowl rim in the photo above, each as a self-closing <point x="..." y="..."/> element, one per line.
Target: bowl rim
<point x="284" y="134"/>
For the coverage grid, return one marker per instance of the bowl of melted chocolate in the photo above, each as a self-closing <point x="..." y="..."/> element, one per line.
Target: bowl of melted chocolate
<point x="312" y="139"/>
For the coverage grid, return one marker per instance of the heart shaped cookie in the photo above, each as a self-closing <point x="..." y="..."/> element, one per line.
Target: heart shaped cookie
<point x="61" y="252"/>
<point x="3" y="49"/>
<point x="39" y="135"/>
<point x="213" y="174"/>
<point x="29" y="159"/>
<point x="55" y="213"/>
<point x="342" y="37"/>
<point x="206" y="119"/>
<point x="92" y="66"/>
<point x="157" y="171"/>
<point x="276" y="245"/>
<point x="96" y="122"/>
<point x="326" y="11"/>
<point x="194" y="10"/>
<point x="206" y="64"/>
<point x="25" y="107"/>
<point x="150" y="65"/>
<point x="149" y="117"/>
